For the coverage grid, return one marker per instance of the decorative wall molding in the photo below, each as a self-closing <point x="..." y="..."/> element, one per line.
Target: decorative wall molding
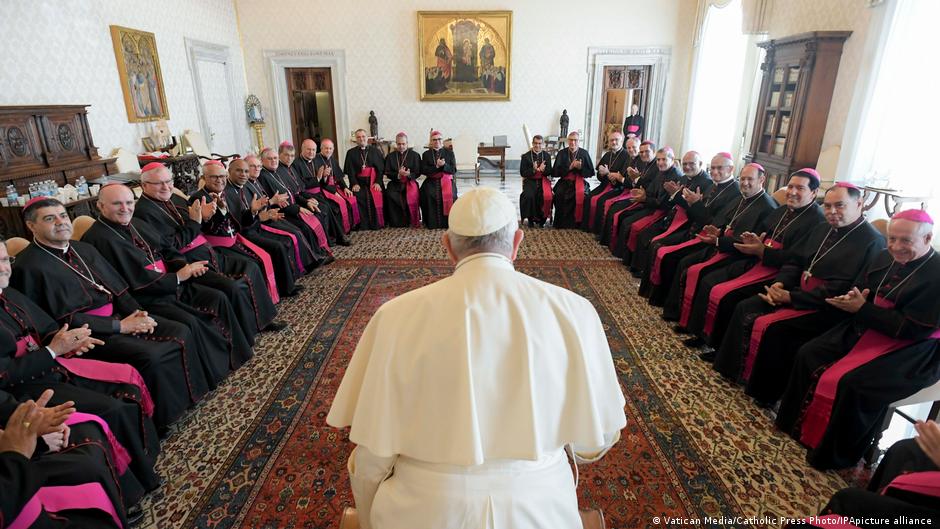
<point x="197" y="50"/>
<point x="598" y="57"/>
<point x="279" y="60"/>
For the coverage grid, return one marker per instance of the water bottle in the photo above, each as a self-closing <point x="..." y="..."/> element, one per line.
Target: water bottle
<point x="12" y="196"/>
<point x="33" y="190"/>
<point x="82" y="186"/>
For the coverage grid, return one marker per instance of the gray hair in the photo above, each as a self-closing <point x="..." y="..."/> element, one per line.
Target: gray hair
<point x="500" y="241"/>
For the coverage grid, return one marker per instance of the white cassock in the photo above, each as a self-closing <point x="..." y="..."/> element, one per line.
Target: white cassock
<point x="462" y="396"/>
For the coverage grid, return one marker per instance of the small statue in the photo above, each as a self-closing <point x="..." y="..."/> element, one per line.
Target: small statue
<point x="564" y="124"/>
<point x="373" y="125"/>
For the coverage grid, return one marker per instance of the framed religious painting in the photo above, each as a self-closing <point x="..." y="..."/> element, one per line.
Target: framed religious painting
<point x="464" y="55"/>
<point x="139" y="70"/>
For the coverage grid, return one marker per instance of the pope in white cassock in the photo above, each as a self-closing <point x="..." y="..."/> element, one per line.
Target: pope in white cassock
<point x="463" y="395"/>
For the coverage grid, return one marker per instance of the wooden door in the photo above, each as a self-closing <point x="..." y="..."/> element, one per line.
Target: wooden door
<point x="312" y="110"/>
<point x="624" y="86"/>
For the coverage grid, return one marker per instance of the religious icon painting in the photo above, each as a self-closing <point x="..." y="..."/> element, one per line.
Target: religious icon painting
<point x="139" y="70"/>
<point x="464" y="55"/>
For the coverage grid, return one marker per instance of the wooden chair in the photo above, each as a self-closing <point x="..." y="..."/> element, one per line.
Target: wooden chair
<point x="197" y="142"/>
<point x="15" y="245"/>
<point x="881" y="225"/>
<point x="350" y="519"/>
<point x="780" y="196"/>
<point x="80" y="225"/>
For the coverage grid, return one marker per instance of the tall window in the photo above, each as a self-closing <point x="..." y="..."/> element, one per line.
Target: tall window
<point x="895" y="144"/>
<point x="712" y="124"/>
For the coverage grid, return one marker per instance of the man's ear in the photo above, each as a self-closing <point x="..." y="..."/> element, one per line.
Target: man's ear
<point x="445" y="241"/>
<point x="516" y="243"/>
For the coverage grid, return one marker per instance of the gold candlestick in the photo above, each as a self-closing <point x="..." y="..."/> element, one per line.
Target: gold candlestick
<point x="258" y="137"/>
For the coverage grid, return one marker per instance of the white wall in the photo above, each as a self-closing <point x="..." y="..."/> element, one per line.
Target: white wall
<point x="549" y="60"/>
<point x="60" y="52"/>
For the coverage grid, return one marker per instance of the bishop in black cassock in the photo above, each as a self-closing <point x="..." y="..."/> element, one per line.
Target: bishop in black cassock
<point x="571" y="170"/>
<point x="536" y="199"/>
<point x="612" y="174"/>
<point x="325" y="185"/>
<point x="402" y="198"/>
<point x="653" y="199"/>
<point x="364" y="165"/>
<point x="439" y="190"/>
<point x="640" y="174"/>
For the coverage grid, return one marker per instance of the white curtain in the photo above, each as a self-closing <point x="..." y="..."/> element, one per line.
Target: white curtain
<point x="713" y="120"/>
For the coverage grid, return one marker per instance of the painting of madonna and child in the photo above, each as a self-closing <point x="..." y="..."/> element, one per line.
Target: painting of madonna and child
<point x="464" y="55"/>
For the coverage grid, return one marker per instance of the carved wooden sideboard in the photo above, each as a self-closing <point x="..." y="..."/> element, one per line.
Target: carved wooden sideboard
<point x="45" y="142"/>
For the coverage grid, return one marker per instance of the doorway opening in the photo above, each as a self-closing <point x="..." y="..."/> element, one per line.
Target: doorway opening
<point x="312" y="115"/>
<point x="626" y="93"/>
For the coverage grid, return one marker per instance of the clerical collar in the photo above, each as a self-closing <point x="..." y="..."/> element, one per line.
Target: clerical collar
<point x="921" y="259"/>
<point x="861" y="219"/>
<point x="62" y="250"/>
<point x="725" y="181"/>
<point x="114" y="224"/>
<point x="497" y="259"/>
<point x="802" y="209"/>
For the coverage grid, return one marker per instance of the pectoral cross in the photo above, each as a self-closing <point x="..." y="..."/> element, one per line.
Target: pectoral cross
<point x="31" y="344"/>
<point x="806" y="275"/>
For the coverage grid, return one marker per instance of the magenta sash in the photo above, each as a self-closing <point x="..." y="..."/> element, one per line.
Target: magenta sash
<point x="105" y="310"/>
<point x="616" y="223"/>
<point x="65" y="498"/>
<point x="757" y="274"/>
<point x="594" y="201"/>
<point x="369" y="172"/>
<point x="610" y="201"/>
<point x="354" y="205"/>
<point x="293" y="238"/>
<point x="678" y="221"/>
<point x="266" y="264"/>
<point x="656" y="272"/>
<point x="193" y="244"/>
<point x="97" y="370"/>
<point x="763" y="322"/>
<point x="343" y="208"/>
<point x="642" y="224"/>
<point x="870" y="346"/>
<point x="632" y="129"/>
<point x="578" y="194"/>
<point x="118" y="453"/>
<point x="159" y="266"/>
<point x="447" y="190"/>
<point x="691" y="284"/>
<point x="925" y="483"/>
<point x="313" y="222"/>
<point x="413" y="200"/>
<point x="546" y="194"/>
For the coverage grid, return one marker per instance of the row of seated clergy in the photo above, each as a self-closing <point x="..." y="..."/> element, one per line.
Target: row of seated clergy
<point x="365" y="201"/>
<point x="798" y="302"/>
<point x="161" y="313"/>
<point x="905" y="489"/>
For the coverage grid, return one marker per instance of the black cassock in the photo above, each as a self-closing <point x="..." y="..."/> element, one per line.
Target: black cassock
<point x="616" y="162"/>
<point x="283" y="181"/>
<point x="833" y="265"/>
<point x="136" y="253"/>
<point x="673" y="291"/>
<point x="656" y="201"/>
<point x="367" y="159"/>
<point x="240" y="262"/>
<point x="398" y="211"/>
<point x="909" y="361"/>
<point x="434" y="211"/>
<point x="327" y="191"/>
<point x="623" y="207"/>
<point x="646" y="246"/>
<point x="284" y="256"/>
<point x="21" y="479"/>
<point x="27" y="376"/>
<point x="571" y="187"/>
<point x="885" y="499"/>
<point x="633" y="125"/>
<point x="311" y="255"/>
<point x="50" y="277"/>
<point x="171" y="220"/>
<point x="534" y="192"/>
<point x="788" y="228"/>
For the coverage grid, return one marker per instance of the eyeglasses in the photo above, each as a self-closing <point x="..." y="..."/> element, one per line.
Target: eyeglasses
<point x="718" y="167"/>
<point x="160" y="183"/>
<point x="8" y="260"/>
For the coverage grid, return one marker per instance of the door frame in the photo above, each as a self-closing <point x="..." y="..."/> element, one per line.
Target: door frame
<point x="598" y="58"/>
<point x="198" y="50"/>
<point x="280" y="60"/>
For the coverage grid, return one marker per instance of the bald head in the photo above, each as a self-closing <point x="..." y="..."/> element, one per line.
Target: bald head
<point x="116" y="203"/>
<point x="215" y="177"/>
<point x="691" y="163"/>
<point x="308" y="149"/>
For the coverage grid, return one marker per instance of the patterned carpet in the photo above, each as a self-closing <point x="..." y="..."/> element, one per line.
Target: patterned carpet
<point x="258" y="454"/>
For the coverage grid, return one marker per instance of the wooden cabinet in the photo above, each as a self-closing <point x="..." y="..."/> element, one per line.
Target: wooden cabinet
<point x="799" y="74"/>
<point x="47" y="142"/>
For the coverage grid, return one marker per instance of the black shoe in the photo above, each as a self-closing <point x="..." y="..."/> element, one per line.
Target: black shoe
<point x="134" y="515"/>
<point x="678" y="329"/>
<point x="275" y="326"/>
<point x="694" y="341"/>
<point x="327" y="260"/>
<point x="344" y="241"/>
<point x="296" y="290"/>
<point x="708" y="356"/>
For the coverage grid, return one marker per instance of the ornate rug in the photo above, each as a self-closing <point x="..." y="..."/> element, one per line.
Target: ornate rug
<point x="257" y="452"/>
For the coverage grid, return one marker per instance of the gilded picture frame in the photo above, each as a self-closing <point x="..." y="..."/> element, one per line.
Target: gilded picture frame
<point x="465" y="55"/>
<point x="139" y="70"/>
